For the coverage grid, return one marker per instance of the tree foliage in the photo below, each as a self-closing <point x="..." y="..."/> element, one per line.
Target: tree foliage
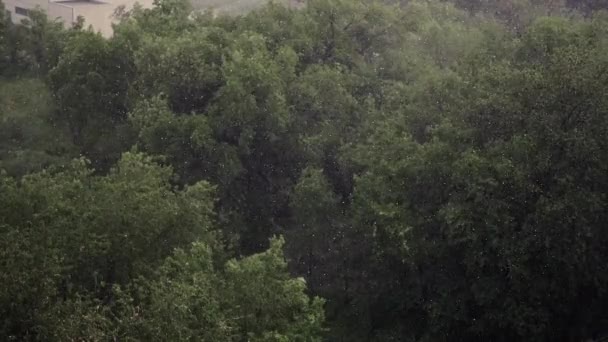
<point x="341" y="170"/>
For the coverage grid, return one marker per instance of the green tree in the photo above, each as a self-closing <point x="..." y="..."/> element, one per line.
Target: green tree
<point x="29" y="137"/>
<point x="252" y="299"/>
<point x="32" y="47"/>
<point x="90" y="84"/>
<point x="93" y="232"/>
<point x="486" y="215"/>
<point x="266" y="303"/>
<point x="4" y="29"/>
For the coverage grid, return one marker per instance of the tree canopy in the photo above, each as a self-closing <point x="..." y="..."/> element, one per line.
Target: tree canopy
<point x="340" y="170"/>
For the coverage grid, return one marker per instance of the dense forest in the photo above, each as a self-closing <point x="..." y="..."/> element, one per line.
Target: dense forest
<point x="343" y="170"/>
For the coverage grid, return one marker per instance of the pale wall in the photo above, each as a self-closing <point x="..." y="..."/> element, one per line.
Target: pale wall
<point x="96" y="13"/>
<point x="54" y="10"/>
<point x="61" y="12"/>
<point x="27" y="4"/>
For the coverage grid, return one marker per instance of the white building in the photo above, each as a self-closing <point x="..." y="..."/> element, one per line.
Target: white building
<point x="97" y="13"/>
